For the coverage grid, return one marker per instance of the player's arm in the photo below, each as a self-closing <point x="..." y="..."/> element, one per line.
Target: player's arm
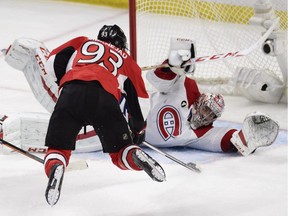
<point x="60" y="59"/>
<point x="137" y="101"/>
<point x="162" y="79"/>
<point x="136" y="120"/>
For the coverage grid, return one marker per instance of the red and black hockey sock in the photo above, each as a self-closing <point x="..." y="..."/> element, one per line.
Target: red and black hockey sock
<point x="55" y="156"/>
<point x="123" y="159"/>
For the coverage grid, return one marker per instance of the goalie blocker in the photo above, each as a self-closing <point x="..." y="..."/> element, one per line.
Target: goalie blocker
<point x="182" y="56"/>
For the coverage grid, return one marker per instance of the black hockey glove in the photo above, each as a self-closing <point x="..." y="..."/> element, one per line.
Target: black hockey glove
<point x="138" y="137"/>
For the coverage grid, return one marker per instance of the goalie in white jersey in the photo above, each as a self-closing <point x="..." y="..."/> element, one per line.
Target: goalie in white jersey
<point x="180" y="115"/>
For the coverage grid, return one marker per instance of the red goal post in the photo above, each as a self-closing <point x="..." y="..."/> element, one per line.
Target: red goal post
<point x="216" y="26"/>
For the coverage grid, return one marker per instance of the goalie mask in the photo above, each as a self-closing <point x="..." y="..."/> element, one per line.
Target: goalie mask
<point x="206" y="110"/>
<point x="113" y="34"/>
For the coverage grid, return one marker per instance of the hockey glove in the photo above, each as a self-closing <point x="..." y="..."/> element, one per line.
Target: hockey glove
<point x="138" y="137"/>
<point x="258" y="130"/>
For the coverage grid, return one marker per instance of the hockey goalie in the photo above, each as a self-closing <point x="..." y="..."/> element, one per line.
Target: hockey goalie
<point x="175" y="90"/>
<point x="182" y="116"/>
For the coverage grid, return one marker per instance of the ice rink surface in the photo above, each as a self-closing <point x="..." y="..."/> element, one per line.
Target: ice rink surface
<point x="229" y="184"/>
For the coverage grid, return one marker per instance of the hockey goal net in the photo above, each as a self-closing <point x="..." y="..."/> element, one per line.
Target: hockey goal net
<point x="217" y="26"/>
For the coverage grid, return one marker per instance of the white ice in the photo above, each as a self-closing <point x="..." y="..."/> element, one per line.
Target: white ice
<point x="230" y="185"/>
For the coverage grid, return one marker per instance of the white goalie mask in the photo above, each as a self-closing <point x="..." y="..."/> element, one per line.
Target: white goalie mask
<point x="206" y="110"/>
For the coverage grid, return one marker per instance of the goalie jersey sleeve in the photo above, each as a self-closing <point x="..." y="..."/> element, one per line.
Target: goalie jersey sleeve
<point x="86" y="59"/>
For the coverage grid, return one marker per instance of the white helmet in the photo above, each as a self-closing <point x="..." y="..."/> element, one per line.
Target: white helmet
<point x="206" y="110"/>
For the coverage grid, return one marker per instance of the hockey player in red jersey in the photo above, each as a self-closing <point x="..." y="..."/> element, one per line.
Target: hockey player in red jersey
<point x="181" y="116"/>
<point x="93" y="75"/>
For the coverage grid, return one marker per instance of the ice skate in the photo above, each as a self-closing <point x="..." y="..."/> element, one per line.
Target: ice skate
<point x="149" y="165"/>
<point x="53" y="189"/>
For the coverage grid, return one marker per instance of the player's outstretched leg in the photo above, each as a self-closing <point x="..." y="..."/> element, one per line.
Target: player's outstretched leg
<point x="132" y="157"/>
<point x="53" y="189"/>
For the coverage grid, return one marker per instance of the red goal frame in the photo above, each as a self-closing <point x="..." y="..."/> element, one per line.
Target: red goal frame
<point x="132" y="29"/>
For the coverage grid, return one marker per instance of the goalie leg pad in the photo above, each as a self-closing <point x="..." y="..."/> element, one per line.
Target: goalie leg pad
<point x="30" y="57"/>
<point x="28" y="131"/>
<point x="20" y="52"/>
<point x="40" y="81"/>
<point x="258" y="85"/>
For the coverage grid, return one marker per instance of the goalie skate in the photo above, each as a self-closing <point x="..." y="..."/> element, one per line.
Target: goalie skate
<point x="149" y="165"/>
<point x="53" y="189"/>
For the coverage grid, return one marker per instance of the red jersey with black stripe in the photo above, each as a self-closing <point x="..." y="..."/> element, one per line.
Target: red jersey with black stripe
<point x="98" y="60"/>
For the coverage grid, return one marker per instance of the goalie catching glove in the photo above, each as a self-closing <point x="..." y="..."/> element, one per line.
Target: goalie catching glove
<point x="181" y="56"/>
<point x="259" y="130"/>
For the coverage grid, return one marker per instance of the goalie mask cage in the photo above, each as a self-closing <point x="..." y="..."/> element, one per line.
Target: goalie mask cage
<point x="216" y="26"/>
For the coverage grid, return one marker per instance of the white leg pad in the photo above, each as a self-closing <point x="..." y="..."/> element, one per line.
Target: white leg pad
<point x="28" y="131"/>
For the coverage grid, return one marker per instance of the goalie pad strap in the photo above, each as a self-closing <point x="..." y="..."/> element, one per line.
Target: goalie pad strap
<point x="239" y="141"/>
<point x="242" y="138"/>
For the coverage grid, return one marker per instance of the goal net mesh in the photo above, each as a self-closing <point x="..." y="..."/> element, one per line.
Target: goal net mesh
<point x="216" y="26"/>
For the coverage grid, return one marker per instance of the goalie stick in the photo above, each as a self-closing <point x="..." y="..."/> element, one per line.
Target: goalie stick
<point x="191" y="166"/>
<point x="228" y="55"/>
<point x="76" y="165"/>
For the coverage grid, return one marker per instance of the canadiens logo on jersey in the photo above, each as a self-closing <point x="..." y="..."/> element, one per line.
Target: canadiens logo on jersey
<point x="169" y="122"/>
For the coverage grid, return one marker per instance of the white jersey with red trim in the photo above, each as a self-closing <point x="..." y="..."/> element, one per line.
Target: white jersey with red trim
<point x="167" y="123"/>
